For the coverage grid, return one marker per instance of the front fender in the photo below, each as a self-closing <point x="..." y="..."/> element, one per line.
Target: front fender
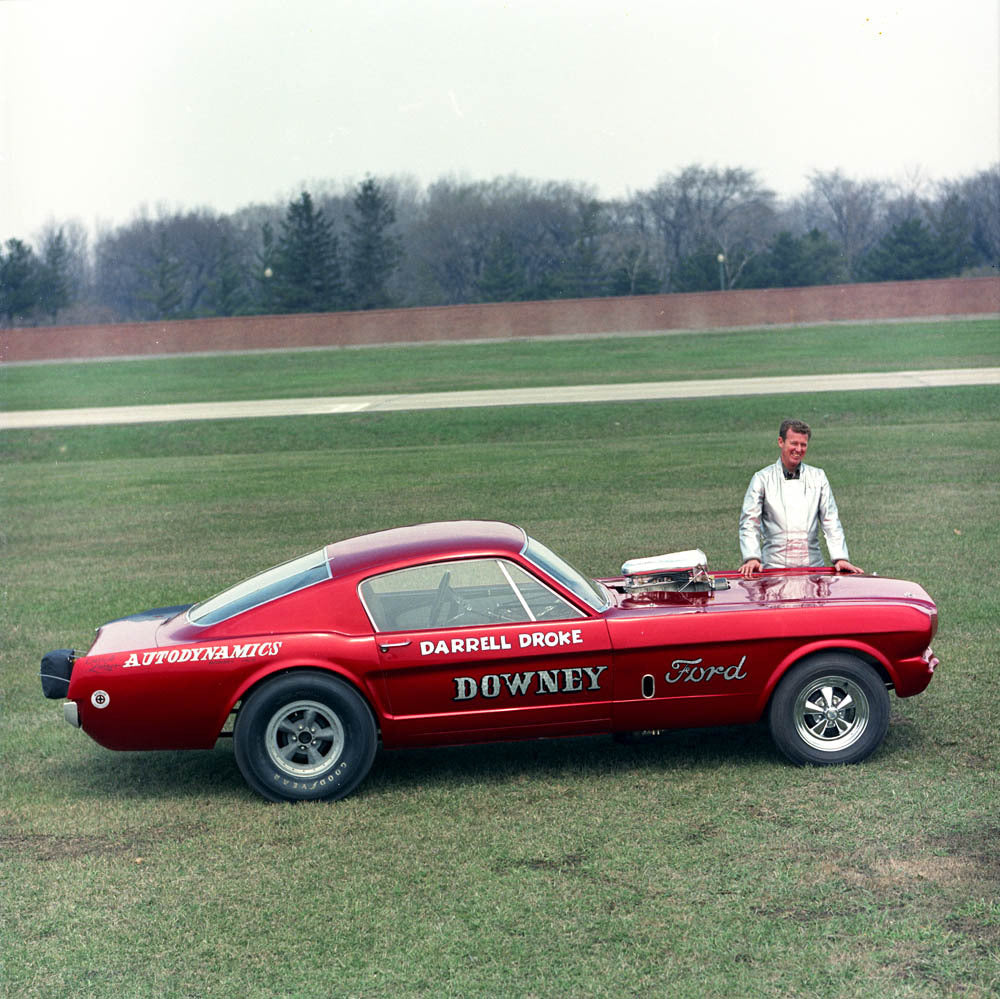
<point x="852" y="646"/>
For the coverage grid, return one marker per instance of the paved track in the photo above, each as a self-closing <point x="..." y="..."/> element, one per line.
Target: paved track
<point x="629" y="392"/>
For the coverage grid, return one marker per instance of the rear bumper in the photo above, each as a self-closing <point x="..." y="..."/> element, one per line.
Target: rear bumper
<point x="57" y="668"/>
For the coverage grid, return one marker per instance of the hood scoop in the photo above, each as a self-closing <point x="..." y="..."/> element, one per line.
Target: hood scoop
<point x="674" y="572"/>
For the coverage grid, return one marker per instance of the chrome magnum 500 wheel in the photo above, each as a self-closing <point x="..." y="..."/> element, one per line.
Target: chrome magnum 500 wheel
<point x="305" y="736"/>
<point x="830" y="709"/>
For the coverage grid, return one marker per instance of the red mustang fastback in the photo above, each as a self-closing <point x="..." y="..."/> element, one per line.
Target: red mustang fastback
<point x="471" y="631"/>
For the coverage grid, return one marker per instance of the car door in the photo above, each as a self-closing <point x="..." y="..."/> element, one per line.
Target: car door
<point x="477" y="649"/>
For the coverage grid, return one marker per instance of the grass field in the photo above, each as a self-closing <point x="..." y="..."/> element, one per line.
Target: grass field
<point x="697" y="864"/>
<point x="509" y="364"/>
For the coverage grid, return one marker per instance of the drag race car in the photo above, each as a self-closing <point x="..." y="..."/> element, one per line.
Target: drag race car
<point x="471" y="631"/>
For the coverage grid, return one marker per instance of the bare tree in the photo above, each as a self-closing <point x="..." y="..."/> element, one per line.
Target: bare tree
<point x="462" y="224"/>
<point x="449" y="242"/>
<point x="631" y="248"/>
<point x="172" y="266"/>
<point x="981" y="193"/>
<point x="851" y="212"/>
<point x="79" y="265"/>
<point x="703" y="207"/>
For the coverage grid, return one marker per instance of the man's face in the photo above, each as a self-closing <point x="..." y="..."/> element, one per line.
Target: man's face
<point x="793" y="449"/>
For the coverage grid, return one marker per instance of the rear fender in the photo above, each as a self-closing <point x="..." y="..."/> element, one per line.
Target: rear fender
<point x="299" y="664"/>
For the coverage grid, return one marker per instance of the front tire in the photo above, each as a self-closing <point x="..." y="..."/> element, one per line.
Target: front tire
<point x="832" y="708"/>
<point x="305" y="736"/>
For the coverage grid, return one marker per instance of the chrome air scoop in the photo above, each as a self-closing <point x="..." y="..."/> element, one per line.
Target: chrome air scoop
<point x="673" y="572"/>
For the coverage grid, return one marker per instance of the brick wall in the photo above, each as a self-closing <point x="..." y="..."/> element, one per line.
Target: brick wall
<point x="698" y="311"/>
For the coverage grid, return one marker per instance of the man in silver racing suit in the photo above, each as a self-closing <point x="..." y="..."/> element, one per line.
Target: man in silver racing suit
<point x="784" y="507"/>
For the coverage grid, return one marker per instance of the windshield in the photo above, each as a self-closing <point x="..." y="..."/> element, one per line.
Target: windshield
<point x="589" y="591"/>
<point x="277" y="582"/>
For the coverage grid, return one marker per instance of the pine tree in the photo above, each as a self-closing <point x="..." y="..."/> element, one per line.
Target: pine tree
<point x="165" y="293"/>
<point x="226" y="291"/>
<point x="19" y="280"/>
<point x="953" y="230"/>
<point x="375" y="252"/>
<point x="907" y="252"/>
<point x="582" y="275"/>
<point x="55" y="284"/>
<point x="796" y="261"/>
<point x="306" y="271"/>
<point x="502" y="277"/>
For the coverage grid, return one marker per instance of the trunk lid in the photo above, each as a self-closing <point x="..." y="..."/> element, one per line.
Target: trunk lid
<point x="137" y="631"/>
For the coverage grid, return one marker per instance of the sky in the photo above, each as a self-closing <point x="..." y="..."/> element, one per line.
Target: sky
<point x="114" y="108"/>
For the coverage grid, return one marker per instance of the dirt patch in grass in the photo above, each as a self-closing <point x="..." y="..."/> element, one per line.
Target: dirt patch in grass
<point x="46" y="847"/>
<point x="980" y="845"/>
<point x="948" y="872"/>
<point x="985" y="935"/>
<point x="960" y="864"/>
<point x="43" y="847"/>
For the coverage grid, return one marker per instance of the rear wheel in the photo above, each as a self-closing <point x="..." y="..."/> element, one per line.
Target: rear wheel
<point x="832" y="708"/>
<point x="305" y="736"/>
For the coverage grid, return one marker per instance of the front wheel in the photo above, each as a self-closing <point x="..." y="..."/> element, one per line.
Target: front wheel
<point x="305" y="736"/>
<point x="830" y="709"/>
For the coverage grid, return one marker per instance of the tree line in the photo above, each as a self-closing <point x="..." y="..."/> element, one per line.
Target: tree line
<point x="388" y="243"/>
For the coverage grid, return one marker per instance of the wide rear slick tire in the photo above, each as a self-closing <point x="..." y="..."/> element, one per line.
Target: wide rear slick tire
<point x="305" y="736"/>
<point x="831" y="708"/>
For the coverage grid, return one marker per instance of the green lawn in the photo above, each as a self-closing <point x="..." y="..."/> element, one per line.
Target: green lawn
<point x="432" y="368"/>
<point x="697" y="864"/>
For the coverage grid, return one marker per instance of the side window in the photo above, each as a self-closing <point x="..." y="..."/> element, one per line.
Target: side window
<point x="460" y="594"/>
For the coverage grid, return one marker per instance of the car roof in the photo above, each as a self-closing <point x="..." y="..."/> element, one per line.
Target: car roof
<point x="435" y="542"/>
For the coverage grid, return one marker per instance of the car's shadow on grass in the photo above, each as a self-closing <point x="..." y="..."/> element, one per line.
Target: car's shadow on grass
<point x="150" y="775"/>
<point x="590" y="758"/>
<point x="147" y="776"/>
<point x="746" y="747"/>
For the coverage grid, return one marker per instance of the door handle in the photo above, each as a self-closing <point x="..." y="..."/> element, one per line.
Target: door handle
<point x="385" y="646"/>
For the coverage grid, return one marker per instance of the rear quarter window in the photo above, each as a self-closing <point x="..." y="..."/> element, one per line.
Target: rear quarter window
<point x="262" y="588"/>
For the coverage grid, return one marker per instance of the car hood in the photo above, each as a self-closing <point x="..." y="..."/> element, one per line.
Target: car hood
<point x="137" y="631"/>
<point x="782" y="588"/>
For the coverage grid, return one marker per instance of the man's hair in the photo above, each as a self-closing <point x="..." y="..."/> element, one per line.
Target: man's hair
<point x="796" y="426"/>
